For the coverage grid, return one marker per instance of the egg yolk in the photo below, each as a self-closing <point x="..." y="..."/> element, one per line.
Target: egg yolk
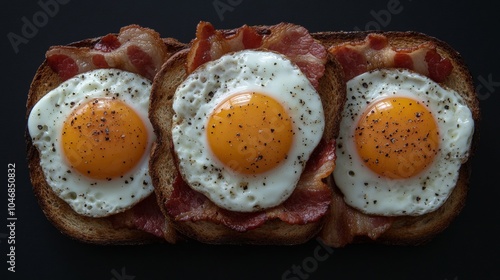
<point x="250" y="133"/>
<point x="104" y="138"/>
<point x="397" y="137"/>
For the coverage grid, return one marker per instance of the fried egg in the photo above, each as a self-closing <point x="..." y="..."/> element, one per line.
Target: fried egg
<point x="244" y="126"/>
<point x="94" y="136"/>
<point x="402" y="141"/>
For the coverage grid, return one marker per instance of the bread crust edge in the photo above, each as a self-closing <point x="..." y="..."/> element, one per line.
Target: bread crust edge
<point x="417" y="230"/>
<point x="84" y="229"/>
<point x="273" y="232"/>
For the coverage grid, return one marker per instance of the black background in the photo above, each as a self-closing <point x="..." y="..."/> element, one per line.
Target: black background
<point x="468" y="249"/>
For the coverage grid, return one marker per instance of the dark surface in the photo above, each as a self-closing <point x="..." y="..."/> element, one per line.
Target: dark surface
<point x="468" y="249"/>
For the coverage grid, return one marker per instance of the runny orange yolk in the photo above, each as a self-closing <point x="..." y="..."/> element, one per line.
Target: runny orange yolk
<point x="250" y="133"/>
<point x="104" y="138"/>
<point x="397" y="137"/>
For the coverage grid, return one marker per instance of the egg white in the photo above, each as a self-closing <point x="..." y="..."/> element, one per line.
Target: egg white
<point x="201" y="92"/>
<point x="428" y="190"/>
<point x="88" y="196"/>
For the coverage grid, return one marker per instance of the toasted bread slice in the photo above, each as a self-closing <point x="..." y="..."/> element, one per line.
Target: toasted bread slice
<point x="163" y="170"/>
<point x="413" y="230"/>
<point x="58" y="212"/>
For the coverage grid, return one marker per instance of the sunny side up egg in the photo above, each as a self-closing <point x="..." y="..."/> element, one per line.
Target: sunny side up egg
<point x="402" y="140"/>
<point x="94" y="136"/>
<point x="244" y="126"/>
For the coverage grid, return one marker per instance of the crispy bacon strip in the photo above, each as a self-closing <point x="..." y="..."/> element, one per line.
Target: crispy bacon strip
<point x="308" y="203"/>
<point x="311" y="197"/>
<point x="291" y="40"/>
<point x="375" y="52"/>
<point x="145" y="215"/>
<point x="135" y="49"/>
<point x="347" y="223"/>
<point x="210" y="44"/>
<point x="300" y="47"/>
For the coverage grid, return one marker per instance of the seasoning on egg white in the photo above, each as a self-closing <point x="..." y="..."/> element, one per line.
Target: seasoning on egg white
<point x="402" y="141"/>
<point x="262" y="145"/>
<point x="91" y="191"/>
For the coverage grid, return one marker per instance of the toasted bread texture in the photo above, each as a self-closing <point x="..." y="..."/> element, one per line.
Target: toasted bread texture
<point x="163" y="170"/>
<point x="57" y="211"/>
<point x="405" y="230"/>
<point x="414" y="230"/>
